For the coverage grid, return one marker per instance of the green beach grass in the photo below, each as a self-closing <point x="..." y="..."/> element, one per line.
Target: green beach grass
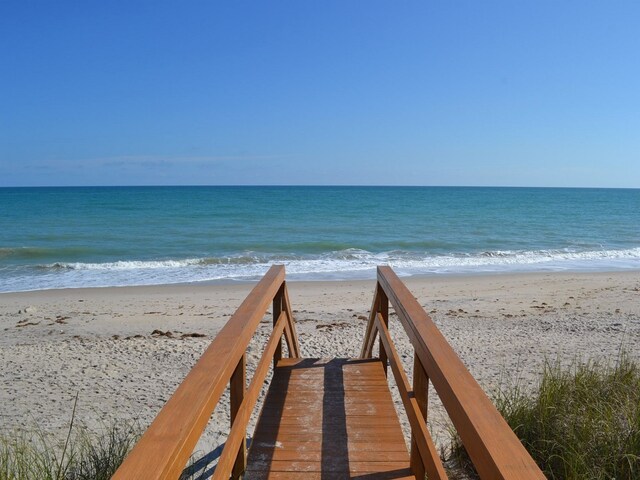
<point x="583" y="422"/>
<point x="30" y="456"/>
<point x="84" y="455"/>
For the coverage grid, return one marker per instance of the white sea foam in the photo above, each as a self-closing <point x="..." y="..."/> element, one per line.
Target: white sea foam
<point x="124" y="265"/>
<point x="340" y="265"/>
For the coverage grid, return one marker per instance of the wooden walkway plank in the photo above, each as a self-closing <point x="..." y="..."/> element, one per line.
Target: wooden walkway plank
<point x="334" y="465"/>
<point x="347" y="426"/>
<point x="399" y="474"/>
<point x="316" y="454"/>
<point x="311" y="445"/>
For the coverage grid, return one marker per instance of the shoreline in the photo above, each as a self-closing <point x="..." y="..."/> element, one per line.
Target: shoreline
<point x="99" y="342"/>
<point x="436" y="277"/>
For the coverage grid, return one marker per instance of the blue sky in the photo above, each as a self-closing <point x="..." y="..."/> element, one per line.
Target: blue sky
<point x="522" y="93"/>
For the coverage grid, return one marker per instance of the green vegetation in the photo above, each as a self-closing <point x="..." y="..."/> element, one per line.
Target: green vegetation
<point x="83" y="456"/>
<point x="29" y="456"/>
<point x="582" y="423"/>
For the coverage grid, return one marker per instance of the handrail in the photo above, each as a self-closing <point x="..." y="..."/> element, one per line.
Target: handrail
<point x="493" y="448"/>
<point x="166" y="446"/>
<point x="424" y="443"/>
<point x="238" y="429"/>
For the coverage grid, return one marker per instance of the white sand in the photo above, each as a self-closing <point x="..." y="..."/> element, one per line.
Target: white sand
<point x="97" y="343"/>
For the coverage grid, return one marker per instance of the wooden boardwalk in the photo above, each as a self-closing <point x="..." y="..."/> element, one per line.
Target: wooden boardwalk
<point x="329" y="418"/>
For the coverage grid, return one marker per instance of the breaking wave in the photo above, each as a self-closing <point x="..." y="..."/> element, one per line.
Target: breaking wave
<point x="336" y="265"/>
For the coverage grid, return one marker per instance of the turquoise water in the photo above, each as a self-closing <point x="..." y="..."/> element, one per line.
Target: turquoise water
<point x="105" y="236"/>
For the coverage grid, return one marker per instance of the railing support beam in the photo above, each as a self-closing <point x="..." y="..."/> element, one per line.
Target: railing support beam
<point x="383" y="309"/>
<point x="278" y="307"/>
<point x="237" y="389"/>
<point x="421" y="394"/>
<point x="290" y="332"/>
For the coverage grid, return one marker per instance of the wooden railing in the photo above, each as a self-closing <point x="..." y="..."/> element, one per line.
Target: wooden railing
<point x="493" y="448"/>
<point x="166" y="446"/>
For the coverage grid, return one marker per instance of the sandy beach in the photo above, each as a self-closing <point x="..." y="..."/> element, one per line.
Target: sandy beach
<point x="100" y="343"/>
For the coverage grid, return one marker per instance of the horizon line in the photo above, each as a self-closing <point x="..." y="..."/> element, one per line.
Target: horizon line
<point x="240" y="185"/>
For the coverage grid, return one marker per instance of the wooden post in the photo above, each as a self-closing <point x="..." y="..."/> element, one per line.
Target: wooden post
<point x="294" y="348"/>
<point x="421" y="394"/>
<point x="383" y="308"/>
<point x="278" y="305"/>
<point x="237" y="387"/>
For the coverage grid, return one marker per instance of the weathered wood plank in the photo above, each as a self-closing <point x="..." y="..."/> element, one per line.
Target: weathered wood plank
<point x="373" y="455"/>
<point x="324" y="364"/>
<point x="361" y="430"/>
<point x="302" y="420"/>
<point x="349" y="399"/>
<point x="329" y="466"/>
<point x="355" y="436"/>
<point x="311" y="445"/>
<point x="374" y="408"/>
<point x="400" y="474"/>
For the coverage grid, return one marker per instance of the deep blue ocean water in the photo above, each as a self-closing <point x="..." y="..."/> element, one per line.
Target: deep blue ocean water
<point x="107" y="236"/>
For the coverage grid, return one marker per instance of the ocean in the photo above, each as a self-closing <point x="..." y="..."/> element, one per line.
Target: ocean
<point x="117" y="236"/>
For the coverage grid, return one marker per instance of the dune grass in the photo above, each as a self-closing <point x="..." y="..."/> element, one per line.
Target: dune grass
<point x="84" y="455"/>
<point x="583" y="422"/>
<point x="30" y="455"/>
